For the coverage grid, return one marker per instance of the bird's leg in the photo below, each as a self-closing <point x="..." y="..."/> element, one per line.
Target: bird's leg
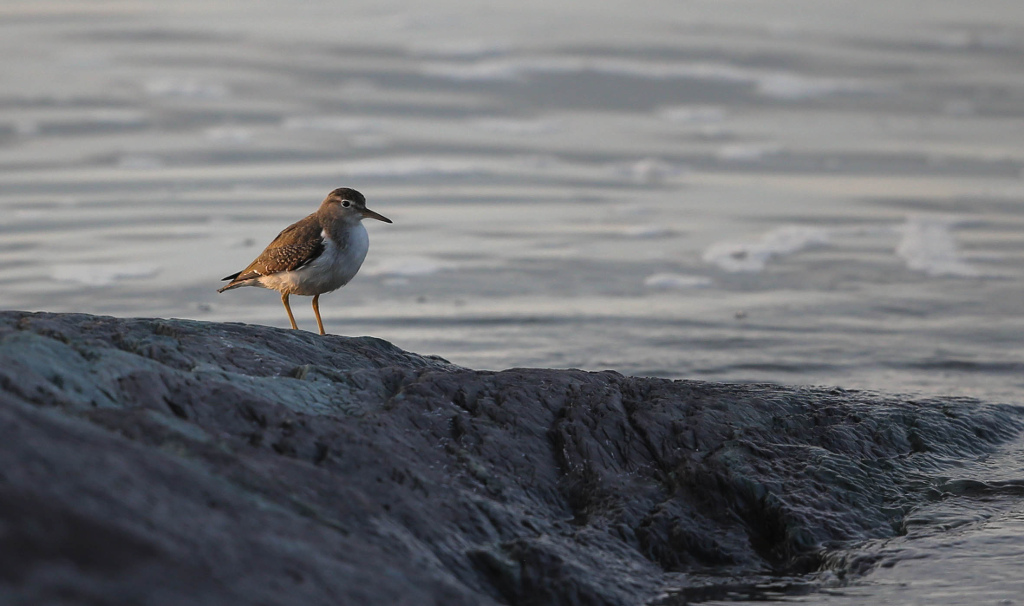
<point x="316" y="311"/>
<point x="288" y="308"/>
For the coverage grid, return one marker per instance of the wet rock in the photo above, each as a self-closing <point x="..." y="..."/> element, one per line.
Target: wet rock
<point x="172" y="461"/>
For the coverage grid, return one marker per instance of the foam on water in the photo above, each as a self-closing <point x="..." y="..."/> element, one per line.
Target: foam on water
<point x="752" y="256"/>
<point x="927" y="245"/>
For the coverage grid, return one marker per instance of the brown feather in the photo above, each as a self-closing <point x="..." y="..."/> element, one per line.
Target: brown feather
<point x="296" y="245"/>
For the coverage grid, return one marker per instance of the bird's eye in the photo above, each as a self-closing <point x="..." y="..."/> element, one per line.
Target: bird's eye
<point x="346" y="203"/>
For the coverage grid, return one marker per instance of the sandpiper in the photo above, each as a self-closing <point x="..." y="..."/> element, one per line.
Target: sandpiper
<point x="318" y="254"/>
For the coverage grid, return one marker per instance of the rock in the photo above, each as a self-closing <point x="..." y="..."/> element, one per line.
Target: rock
<point x="179" y="462"/>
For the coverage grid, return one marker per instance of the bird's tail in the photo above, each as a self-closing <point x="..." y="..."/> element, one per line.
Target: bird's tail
<point x="232" y="285"/>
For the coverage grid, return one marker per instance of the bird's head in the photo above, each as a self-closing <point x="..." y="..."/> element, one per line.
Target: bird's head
<point x="349" y="205"/>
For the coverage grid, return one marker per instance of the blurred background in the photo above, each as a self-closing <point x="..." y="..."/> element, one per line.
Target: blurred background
<point x="795" y="191"/>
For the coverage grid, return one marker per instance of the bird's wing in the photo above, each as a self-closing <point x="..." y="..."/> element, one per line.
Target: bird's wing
<point x="296" y="246"/>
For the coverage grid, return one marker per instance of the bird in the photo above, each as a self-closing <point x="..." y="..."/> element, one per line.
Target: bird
<point x="316" y="255"/>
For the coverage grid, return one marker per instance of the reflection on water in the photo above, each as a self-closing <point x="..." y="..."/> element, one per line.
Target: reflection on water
<point x="731" y="191"/>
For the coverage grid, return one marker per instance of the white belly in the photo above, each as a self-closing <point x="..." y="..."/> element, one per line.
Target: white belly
<point x="330" y="271"/>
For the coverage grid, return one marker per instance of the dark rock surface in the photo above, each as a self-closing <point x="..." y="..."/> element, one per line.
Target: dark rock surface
<point x="181" y="462"/>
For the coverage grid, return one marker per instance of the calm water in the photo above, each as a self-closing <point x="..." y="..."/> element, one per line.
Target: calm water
<point x="795" y="191"/>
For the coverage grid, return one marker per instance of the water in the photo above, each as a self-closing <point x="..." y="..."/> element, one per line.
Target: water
<point x="964" y="549"/>
<point x="796" y="191"/>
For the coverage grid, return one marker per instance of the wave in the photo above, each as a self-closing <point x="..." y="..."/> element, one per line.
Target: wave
<point x="774" y="84"/>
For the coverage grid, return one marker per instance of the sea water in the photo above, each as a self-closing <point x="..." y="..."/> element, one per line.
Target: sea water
<point x="797" y="191"/>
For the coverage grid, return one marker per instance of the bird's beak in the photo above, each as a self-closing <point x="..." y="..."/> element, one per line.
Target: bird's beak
<point x="367" y="213"/>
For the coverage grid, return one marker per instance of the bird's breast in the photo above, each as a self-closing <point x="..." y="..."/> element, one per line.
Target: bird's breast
<point x="339" y="262"/>
<point x="342" y="257"/>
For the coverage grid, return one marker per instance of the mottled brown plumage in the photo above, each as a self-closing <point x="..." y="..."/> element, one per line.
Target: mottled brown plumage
<point x="296" y="246"/>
